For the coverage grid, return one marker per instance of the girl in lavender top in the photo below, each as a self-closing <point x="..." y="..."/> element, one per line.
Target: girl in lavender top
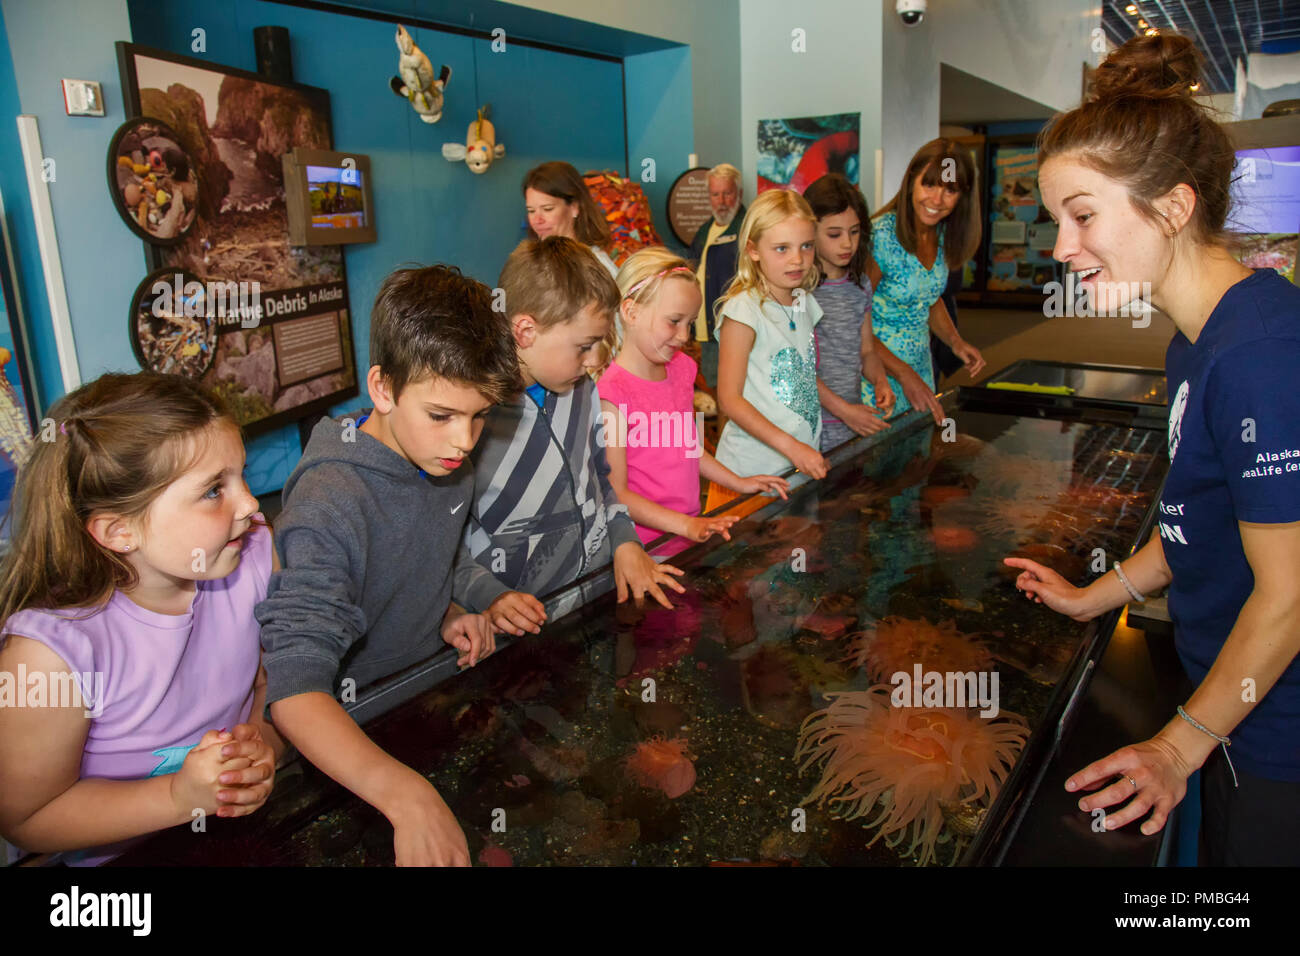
<point x="130" y="679"/>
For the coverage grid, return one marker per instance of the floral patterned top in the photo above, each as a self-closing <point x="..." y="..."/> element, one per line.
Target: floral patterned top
<point x="900" y="307"/>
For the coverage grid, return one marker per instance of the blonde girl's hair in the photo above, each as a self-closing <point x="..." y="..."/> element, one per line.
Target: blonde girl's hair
<point x="768" y="211"/>
<point x="640" y="280"/>
<point x="119" y="442"/>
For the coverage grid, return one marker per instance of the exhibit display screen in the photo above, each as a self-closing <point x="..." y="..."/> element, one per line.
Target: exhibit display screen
<point x="1265" y="211"/>
<point x="337" y="197"/>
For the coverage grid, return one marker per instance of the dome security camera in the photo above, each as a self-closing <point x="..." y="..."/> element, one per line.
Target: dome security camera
<point x="911" y="12"/>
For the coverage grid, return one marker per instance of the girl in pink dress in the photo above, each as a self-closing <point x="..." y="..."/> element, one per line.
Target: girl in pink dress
<point x="652" y="440"/>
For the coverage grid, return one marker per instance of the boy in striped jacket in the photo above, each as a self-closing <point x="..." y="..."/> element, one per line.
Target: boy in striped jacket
<point x="544" y="513"/>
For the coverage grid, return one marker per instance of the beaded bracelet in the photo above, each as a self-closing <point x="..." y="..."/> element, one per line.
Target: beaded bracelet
<point x="1123" y="579"/>
<point x="1224" y="742"/>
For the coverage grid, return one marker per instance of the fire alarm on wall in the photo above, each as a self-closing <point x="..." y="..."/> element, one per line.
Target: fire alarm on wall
<point x="83" y="98"/>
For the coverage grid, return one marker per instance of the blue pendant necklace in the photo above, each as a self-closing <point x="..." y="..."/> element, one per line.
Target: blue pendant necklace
<point x="789" y="315"/>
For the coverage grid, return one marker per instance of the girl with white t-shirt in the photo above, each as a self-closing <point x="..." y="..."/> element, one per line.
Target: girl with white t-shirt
<point x="767" y="366"/>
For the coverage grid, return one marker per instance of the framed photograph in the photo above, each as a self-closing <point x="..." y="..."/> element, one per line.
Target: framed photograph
<point x="153" y="181"/>
<point x="261" y="322"/>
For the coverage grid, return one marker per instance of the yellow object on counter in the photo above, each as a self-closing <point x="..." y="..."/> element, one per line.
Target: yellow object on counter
<point x="1040" y="389"/>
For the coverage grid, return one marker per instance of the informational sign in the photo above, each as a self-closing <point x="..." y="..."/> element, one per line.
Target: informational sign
<point x="688" y="204"/>
<point x="263" y="324"/>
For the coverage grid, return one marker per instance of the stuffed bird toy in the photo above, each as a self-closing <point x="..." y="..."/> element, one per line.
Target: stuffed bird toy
<point x="480" y="146"/>
<point x="415" y="79"/>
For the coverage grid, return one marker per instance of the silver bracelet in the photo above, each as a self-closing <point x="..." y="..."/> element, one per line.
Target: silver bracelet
<point x="1123" y="579"/>
<point x="1224" y="742"/>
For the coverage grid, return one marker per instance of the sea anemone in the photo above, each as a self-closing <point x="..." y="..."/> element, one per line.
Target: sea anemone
<point x="660" y="764"/>
<point x="915" y="762"/>
<point x="898" y="643"/>
<point x="954" y="538"/>
<point x="933" y="495"/>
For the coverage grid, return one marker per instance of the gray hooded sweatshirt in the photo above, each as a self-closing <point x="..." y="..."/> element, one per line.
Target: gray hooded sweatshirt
<point x="366" y="541"/>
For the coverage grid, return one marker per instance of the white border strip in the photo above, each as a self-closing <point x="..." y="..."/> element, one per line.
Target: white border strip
<point x="51" y="263"/>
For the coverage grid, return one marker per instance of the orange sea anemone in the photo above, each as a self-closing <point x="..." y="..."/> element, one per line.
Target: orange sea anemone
<point x="898" y="644"/>
<point x="914" y="762"/>
<point x="660" y="764"/>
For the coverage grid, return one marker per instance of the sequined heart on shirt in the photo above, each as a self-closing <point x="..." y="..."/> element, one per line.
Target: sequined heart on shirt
<point x="794" y="383"/>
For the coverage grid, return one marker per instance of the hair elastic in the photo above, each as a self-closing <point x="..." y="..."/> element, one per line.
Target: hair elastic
<point x="658" y="275"/>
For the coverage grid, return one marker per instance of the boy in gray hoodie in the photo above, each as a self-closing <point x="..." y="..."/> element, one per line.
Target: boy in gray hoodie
<point x="372" y="519"/>
<point x="544" y="513"/>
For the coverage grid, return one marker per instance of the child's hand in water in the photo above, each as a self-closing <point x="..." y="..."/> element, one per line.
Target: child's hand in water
<point x="809" y="460"/>
<point x="246" y="789"/>
<point x="637" y="573"/>
<point x="425" y="831"/>
<point x="471" y="634"/>
<point x="756" y="484"/>
<point x="863" y="420"/>
<point x="196" y="785"/>
<point x="516" y="612"/>
<point x="699" y="528"/>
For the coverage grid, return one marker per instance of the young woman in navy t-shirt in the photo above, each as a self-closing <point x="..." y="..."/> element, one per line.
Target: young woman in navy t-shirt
<point x="1138" y="177"/>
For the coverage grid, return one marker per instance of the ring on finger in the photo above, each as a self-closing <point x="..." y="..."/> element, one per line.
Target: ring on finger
<point x="1132" y="781"/>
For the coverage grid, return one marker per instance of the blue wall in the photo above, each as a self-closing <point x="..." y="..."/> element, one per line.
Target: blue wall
<point x="102" y="261"/>
<point x="658" y="91"/>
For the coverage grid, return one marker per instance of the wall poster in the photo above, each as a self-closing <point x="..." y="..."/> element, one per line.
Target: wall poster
<point x="793" y="153"/>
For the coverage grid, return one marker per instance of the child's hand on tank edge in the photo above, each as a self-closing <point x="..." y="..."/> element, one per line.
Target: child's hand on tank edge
<point x="472" y="635"/>
<point x="516" y="612"/>
<point x="636" y="573"/>
<point x="700" y="528"/>
<point x="757" y="484"/>
<point x="808" y="460"/>
<point x="864" y="420"/>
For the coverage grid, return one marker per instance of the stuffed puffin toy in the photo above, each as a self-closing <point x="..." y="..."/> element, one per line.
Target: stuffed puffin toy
<point x="415" y="81"/>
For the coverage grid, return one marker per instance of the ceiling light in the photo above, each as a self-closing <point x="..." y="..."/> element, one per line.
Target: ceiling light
<point x="1131" y="8"/>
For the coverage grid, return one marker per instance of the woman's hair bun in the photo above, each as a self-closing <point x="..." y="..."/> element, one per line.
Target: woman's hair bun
<point x="1166" y="65"/>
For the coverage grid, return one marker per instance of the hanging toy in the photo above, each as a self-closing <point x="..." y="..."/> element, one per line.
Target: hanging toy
<point x="481" y="146"/>
<point x="415" y="81"/>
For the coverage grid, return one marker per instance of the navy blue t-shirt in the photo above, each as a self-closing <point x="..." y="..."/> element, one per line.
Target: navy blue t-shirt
<point x="1234" y="441"/>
